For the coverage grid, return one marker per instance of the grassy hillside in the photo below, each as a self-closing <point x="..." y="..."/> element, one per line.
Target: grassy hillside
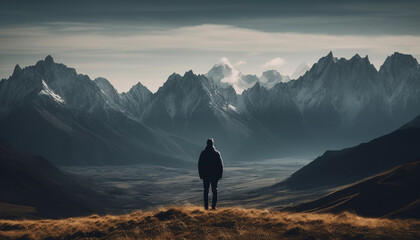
<point x="394" y="194"/>
<point x="337" y="168"/>
<point x="225" y="223"/>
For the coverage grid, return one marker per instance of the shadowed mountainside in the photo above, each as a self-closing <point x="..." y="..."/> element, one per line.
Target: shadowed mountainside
<point x="225" y="223"/>
<point x="394" y="193"/>
<point x="31" y="187"/>
<point x="336" y="168"/>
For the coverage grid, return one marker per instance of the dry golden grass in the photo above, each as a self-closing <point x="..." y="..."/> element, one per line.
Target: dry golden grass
<point x="225" y="223"/>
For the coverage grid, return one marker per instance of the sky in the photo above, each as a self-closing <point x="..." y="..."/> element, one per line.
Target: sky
<point x="146" y="41"/>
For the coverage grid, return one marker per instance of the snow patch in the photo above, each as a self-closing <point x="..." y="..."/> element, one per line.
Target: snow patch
<point x="48" y="92"/>
<point x="232" y="108"/>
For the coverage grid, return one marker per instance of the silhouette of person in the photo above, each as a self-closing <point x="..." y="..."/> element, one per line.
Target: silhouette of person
<point x="210" y="169"/>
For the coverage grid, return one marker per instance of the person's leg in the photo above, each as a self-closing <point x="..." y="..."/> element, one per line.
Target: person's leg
<point x="214" y="190"/>
<point x="206" y="185"/>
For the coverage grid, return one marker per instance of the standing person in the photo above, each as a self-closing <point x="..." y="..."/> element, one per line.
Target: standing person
<point x="210" y="169"/>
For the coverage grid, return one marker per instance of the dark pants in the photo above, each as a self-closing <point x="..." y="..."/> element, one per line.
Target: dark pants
<point x="206" y="185"/>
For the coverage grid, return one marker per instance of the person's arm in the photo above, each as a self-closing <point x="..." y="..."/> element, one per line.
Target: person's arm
<point x="220" y="165"/>
<point x="200" y="167"/>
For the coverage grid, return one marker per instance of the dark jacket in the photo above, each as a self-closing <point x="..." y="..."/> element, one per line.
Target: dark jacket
<point x="210" y="164"/>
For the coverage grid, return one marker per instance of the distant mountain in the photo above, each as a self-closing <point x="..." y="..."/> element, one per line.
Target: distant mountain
<point x="30" y="186"/>
<point x="400" y="78"/>
<point x="225" y="75"/>
<point x="345" y="166"/>
<point x="50" y="110"/>
<point x="270" y="78"/>
<point x="394" y="193"/>
<point x="300" y="70"/>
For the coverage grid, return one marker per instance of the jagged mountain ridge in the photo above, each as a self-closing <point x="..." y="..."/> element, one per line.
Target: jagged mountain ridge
<point x="336" y="103"/>
<point x="344" y="99"/>
<point x="50" y="110"/>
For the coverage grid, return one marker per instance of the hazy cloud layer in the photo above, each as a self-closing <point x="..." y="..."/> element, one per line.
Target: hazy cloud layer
<point x="304" y="16"/>
<point x="202" y="38"/>
<point x="131" y="41"/>
<point x="163" y="50"/>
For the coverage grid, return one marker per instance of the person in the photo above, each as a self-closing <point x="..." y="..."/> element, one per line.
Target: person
<point x="210" y="169"/>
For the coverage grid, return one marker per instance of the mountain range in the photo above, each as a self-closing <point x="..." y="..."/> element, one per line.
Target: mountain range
<point x="50" y="110"/>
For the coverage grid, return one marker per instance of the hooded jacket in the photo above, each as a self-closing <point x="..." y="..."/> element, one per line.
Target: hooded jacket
<point x="210" y="164"/>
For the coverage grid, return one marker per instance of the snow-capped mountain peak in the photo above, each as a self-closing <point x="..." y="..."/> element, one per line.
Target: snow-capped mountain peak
<point x="270" y="78"/>
<point x="225" y="74"/>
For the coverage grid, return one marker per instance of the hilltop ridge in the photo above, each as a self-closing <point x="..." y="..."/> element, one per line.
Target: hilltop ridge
<point x="225" y="223"/>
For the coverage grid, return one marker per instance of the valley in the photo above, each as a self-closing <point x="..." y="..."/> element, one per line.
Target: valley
<point x="134" y="187"/>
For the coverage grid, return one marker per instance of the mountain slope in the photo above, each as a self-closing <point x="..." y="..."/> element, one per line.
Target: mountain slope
<point x="394" y="193"/>
<point x="352" y="164"/>
<point x="112" y="97"/>
<point x="30" y="186"/>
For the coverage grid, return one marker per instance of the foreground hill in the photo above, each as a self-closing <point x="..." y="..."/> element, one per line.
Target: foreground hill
<point x="31" y="187"/>
<point x="346" y="166"/>
<point x="226" y="223"/>
<point x="394" y="193"/>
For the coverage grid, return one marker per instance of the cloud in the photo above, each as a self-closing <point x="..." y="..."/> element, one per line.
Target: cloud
<point x="232" y="75"/>
<point x="276" y="62"/>
<point x="149" y="54"/>
<point x="239" y="63"/>
<point x="225" y="61"/>
<point x="204" y="38"/>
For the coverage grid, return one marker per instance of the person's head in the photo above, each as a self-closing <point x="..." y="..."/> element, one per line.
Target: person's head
<point x="210" y="142"/>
